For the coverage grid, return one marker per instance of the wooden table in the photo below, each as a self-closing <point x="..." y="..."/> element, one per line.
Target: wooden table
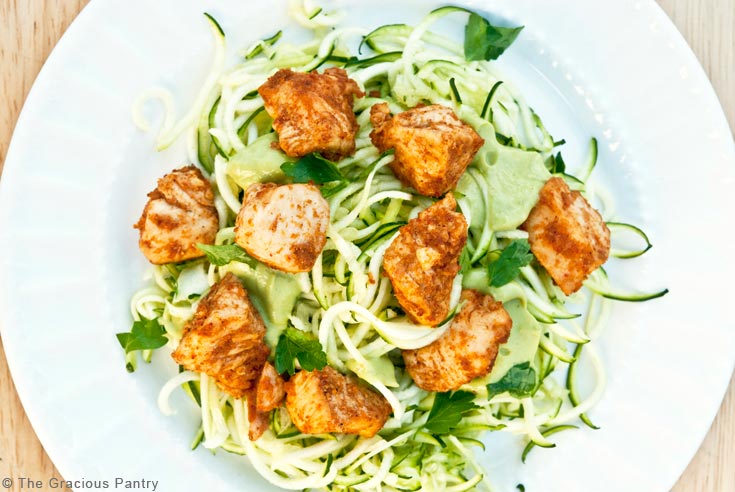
<point x="30" y="28"/>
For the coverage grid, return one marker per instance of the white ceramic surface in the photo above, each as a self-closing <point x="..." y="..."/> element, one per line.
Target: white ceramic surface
<point x="77" y="173"/>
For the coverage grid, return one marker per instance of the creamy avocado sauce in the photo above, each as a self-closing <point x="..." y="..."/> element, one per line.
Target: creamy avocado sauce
<point x="259" y="162"/>
<point x="521" y="345"/>
<point x="513" y="179"/>
<point x="514" y="184"/>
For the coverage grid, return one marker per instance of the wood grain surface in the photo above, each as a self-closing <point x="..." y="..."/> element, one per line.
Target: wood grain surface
<point x="30" y="29"/>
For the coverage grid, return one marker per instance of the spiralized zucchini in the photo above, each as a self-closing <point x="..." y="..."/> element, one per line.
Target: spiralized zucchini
<point x="345" y="302"/>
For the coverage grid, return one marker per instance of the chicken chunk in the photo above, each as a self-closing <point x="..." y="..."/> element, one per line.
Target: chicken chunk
<point x="433" y="147"/>
<point x="567" y="236"/>
<point x="467" y="350"/>
<point x="225" y="339"/>
<point x="267" y="396"/>
<point x="326" y="401"/>
<point x="313" y="112"/>
<point x="179" y="214"/>
<point x="258" y="422"/>
<point x="285" y="226"/>
<point x="424" y="259"/>
<point x="271" y="391"/>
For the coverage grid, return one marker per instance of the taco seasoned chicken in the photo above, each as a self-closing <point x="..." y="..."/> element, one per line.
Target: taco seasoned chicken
<point x="258" y="422"/>
<point x="433" y="147"/>
<point x="268" y="395"/>
<point x="467" y="350"/>
<point x="424" y="259"/>
<point x="285" y="226"/>
<point x="567" y="236"/>
<point x="179" y="214"/>
<point x="326" y="401"/>
<point x="225" y="339"/>
<point x="312" y="112"/>
<point x="270" y="390"/>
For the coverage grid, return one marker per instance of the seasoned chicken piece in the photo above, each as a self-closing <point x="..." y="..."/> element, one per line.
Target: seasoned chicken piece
<point x="433" y="146"/>
<point x="258" y="421"/>
<point x="567" y="236"/>
<point x="285" y="226"/>
<point x="326" y="401"/>
<point x="179" y="214"/>
<point x="423" y="259"/>
<point x="467" y="350"/>
<point x="271" y="389"/>
<point x="268" y="395"/>
<point x="313" y="112"/>
<point x="225" y="339"/>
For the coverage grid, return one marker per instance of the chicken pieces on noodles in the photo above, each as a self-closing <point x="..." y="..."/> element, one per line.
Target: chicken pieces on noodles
<point x="327" y="401"/>
<point x="179" y="214"/>
<point x="467" y="350"/>
<point x="225" y="339"/>
<point x="433" y="146"/>
<point x="312" y="112"/>
<point x="285" y="226"/>
<point x="567" y="235"/>
<point x="423" y="261"/>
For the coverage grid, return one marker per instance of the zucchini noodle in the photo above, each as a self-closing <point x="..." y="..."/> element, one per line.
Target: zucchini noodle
<point x="345" y="301"/>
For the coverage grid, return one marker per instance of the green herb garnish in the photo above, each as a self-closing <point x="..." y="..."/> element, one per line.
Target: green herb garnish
<point x="519" y="381"/>
<point x="483" y="41"/>
<point x="507" y="267"/>
<point x="312" y="167"/>
<point x="222" y="254"/>
<point x="296" y="344"/>
<point x="146" y="334"/>
<point x="448" y="410"/>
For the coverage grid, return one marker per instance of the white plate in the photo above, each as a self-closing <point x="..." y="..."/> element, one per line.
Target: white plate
<point x="77" y="173"/>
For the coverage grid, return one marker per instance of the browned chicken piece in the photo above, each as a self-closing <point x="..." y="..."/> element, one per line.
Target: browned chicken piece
<point x="225" y="339"/>
<point x="467" y="350"/>
<point x="271" y="391"/>
<point x="423" y="260"/>
<point x="179" y="214"/>
<point x="326" y="401"/>
<point x="567" y="236"/>
<point x="433" y="147"/>
<point x="312" y="112"/>
<point x="258" y="421"/>
<point x="268" y="395"/>
<point x="285" y="226"/>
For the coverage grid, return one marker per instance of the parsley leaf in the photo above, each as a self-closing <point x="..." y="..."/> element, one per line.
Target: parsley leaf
<point x="503" y="270"/>
<point x="222" y="254"/>
<point x="146" y="334"/>
<point x="483" y="41"/>
<point x="333" y="188"/>
<point x="519" y="381"/>
<point x="448" y="409"/>
<point x="312" y="167"/>
<point x="296" y="344"/>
